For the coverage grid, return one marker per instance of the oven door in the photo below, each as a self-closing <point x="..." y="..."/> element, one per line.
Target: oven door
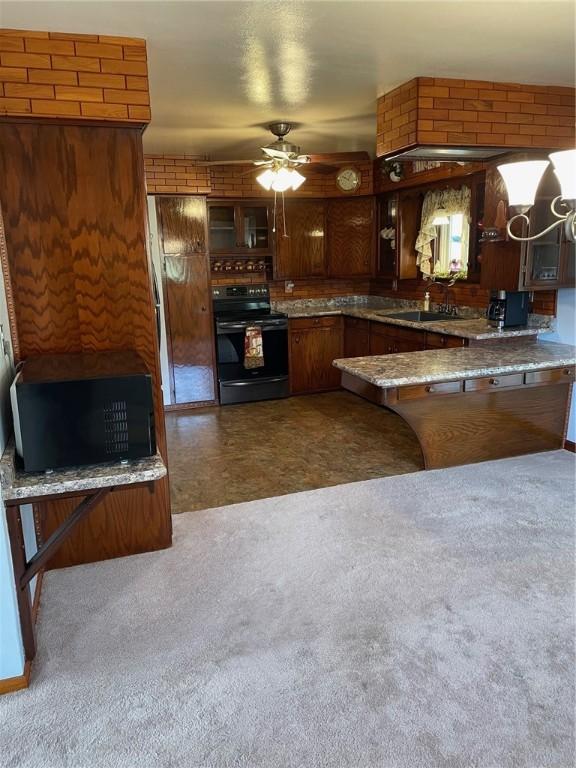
<point x="240" y="384"/>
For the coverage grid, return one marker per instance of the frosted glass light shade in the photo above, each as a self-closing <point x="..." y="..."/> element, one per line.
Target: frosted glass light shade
<point x="565" y="170"/>
<point x="283" y="180"/>
<point x="266" y="178"/>
<point x="522" y="181"/>
<point x="297" y="180"/>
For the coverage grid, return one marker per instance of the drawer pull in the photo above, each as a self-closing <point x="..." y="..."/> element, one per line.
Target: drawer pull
<point x="429" y="388"/>
<point x="567" y="372"/>
<point x="495" y="382"/>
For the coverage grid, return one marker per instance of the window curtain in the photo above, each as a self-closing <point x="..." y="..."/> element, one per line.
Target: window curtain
<point x="452" y="201"/>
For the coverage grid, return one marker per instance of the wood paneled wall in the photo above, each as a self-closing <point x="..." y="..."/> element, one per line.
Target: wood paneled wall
<point x="186" y="174"/>
<point x="451" y="112"/>
<point x="78" y="272"/>
<point x="90" y="77"/>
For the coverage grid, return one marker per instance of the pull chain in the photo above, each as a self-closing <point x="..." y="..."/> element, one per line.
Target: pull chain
<point x="284" y="215"/>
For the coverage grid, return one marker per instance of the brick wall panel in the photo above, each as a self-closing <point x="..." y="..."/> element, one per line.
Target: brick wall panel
<point x="469" y="112"/>
<point x="90" y="77"/>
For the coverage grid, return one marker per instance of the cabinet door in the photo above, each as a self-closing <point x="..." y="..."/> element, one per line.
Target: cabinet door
<point x="381" y="342"/>
<point x="222" y="228"/>
<point x="187" y="299"/>
<point x="409" y="216"/>
<point x="182" y="222"/>
<point x="351" y="237"/>
<point x="190" y="331"/>
<point x="356" y="337"/>
<point x="253" y="227"/>
<point x="302" y="252"/>
<point x="312" y="352"/>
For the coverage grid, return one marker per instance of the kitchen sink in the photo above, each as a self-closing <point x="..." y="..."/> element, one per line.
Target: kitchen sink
<point x="418" y="316"/>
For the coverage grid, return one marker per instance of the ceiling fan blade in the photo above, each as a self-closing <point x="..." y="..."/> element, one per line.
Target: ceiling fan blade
<point x="303" y="159"/>
<point x="277" y="153"/>
<point x="263" y="162"/>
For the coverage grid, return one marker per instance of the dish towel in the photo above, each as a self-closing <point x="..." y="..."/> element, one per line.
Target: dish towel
<point x="253" y="350"/>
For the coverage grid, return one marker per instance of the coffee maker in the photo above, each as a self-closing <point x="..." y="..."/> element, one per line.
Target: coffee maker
<point x="508" y="308"/>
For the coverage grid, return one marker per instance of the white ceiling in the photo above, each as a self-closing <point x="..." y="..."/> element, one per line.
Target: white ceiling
<point x="219" y="70"/>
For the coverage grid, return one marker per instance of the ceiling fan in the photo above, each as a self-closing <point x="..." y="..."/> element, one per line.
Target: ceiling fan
<point x="280" y="162"/>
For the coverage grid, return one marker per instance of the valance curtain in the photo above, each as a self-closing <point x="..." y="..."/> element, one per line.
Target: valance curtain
<point x="451" y="201"/>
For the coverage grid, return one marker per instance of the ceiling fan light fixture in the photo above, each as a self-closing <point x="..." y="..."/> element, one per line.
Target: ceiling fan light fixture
<point x="522" y="180"/>
<point x="283" y="180"/>
<point x="297" y="180"/>
<point x="565" y="170"/>
<point x="266" y="179"/>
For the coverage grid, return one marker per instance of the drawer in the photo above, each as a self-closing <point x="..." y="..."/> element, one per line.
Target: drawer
<point x="552" y="376"/>
<point x="441" y="341"/>
<point x="397" y="332"/>
<point x="325" y="321"/>
<point x="356" y="322"/>
<point x="494" y="382"/>
<point x="416" y="391"/>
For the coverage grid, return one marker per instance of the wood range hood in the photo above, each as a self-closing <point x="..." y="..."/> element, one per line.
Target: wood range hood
<point x="444" y="119"/>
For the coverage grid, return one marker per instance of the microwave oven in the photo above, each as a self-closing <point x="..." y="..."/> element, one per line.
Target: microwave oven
<point x="79" y="409"/>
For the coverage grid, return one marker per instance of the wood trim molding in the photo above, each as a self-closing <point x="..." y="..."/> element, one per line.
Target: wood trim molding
<point x="569" y="446"/>
<point x="18" y="683"/>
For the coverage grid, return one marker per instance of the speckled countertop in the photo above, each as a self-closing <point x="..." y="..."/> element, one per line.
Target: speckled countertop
<point x="17" y="484"/>
<point x="455" y="364"/>
<point x="467" y="327"/>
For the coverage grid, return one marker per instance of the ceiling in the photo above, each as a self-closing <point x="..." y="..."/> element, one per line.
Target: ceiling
<point x="221" y="70"/>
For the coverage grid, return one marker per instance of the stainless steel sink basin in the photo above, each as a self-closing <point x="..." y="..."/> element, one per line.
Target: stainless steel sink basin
<point x="418" y="316"/>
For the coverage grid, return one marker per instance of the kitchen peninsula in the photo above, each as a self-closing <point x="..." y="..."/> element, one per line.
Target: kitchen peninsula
<point x="472" y="404"/>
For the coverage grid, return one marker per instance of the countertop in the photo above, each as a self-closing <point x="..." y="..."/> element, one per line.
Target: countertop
<point x="467" y="328"/>
<point x="17" y="484"/>
<point x="454" y="364"/>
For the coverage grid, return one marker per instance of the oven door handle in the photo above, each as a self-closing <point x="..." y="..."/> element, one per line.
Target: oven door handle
<point x="252" y="381"/>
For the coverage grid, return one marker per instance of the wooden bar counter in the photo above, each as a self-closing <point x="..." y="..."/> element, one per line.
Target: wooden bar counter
<point x="473" y="404"/>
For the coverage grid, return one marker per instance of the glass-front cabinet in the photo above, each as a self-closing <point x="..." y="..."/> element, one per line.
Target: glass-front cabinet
<point x="235" y="228"/>
<point x="548" y="262"/>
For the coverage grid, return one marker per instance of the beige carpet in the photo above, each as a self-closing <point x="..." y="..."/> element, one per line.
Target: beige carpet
<point x="425" y="620"/>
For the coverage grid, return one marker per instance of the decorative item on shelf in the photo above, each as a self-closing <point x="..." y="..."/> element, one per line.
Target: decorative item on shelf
<point x="217" y="266"/>
<point x="393" y="170"/>
<point x="250" y="266"/>
<point x="261" y="266"/>
<point x="239" y="266"/>
<point x="228" y="266"/>
<point x="522" y="180"/>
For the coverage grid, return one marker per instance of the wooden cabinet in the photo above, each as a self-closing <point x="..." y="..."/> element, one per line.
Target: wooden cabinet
<point x="388" y="339"/>
<point x="444" y="341"/>
<point x="356" y="337"/>
<point x="187" y="300"/>
<point x="544" y="264"/>
<point x="350" y="234"/>
<point x="302" y="251"/>
<point x="314" y="344"/>
<point x="239" y="228"/>
<point x="398" y="225"/>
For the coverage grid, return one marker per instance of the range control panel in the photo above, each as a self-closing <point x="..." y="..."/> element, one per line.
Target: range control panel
<point x="240" y="291"/>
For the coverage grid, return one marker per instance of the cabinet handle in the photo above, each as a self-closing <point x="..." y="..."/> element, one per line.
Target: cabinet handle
<point x="495" y="382"/>
<point x="429" y="388"/>
<point x="203" y="309"/>
<point x="297" y="339"/>
<point x="567" y="372"/>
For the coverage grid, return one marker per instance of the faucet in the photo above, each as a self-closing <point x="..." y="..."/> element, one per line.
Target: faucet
<point x="446" y="308"/>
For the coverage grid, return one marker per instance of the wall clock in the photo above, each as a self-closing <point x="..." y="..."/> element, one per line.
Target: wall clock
<point x="348" y="179"/>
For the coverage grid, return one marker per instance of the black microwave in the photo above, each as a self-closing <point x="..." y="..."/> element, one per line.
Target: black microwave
<point x="78" y="409"/>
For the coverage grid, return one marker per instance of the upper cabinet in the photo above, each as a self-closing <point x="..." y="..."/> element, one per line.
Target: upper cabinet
<point x="239" y="228"/>
<point x="182" y="224"/>
<point x="301" y="240"/>
<point x="543" y="264"/>
<point x="398" y="222"/>
<point x="350" y="231"/>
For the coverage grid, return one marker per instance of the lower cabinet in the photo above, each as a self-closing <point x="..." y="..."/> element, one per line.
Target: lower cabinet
<point x="314" y="343"/>
<point x="389" y="339"/>
<point x="356" y="337"/>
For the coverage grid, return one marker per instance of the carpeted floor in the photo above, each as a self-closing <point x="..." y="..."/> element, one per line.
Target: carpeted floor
<point x="411" y="621"/>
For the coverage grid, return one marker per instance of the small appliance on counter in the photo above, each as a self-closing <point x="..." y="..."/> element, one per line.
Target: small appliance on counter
<point x="508" y="308"/>
<point x="86" y="408"/>
<point x="241" y="311"/>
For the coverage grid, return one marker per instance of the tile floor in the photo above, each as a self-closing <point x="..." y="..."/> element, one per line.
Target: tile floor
<point x="237" y="453"/>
